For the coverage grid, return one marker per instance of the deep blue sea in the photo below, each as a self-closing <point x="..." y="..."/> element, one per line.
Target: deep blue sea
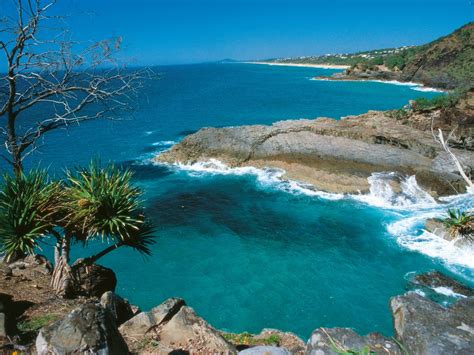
<point x="244" y="249"/>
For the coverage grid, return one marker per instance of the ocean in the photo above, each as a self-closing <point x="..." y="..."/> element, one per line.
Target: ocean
<point x="246" y="250"/>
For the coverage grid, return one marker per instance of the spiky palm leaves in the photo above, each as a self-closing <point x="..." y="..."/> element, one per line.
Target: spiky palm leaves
<point x="91" y="203"/>
<point x="102" y="203"/>
<point x="28" y="208"/>
<point x="460" y="224"/>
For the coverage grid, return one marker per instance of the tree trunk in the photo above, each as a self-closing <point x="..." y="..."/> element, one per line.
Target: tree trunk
<point x="92" y="259"/>
<point x="66" y="247"/>
<point x="57" y="252"/>
<point x="62" y="280"/>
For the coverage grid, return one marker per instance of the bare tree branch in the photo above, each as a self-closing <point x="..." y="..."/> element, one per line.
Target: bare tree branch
<point x="70" y="82"/>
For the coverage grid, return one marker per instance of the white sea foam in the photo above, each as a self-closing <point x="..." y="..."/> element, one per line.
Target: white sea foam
<point x="390" y="191"/>
<point x="267" y="177"/>
<point x="409" y="233"/>
<point x="412" y="85"/>
<point x="382" y="193"/>
<point x="426" y="89"/>
<point x="163" y="143"/>
<point x="446" y="291"/>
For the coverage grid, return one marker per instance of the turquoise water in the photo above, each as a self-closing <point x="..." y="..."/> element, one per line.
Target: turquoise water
<point x="243" y="249"/>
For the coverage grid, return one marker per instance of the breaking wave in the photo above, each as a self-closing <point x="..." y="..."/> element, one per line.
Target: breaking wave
<point x="401" y="196"/>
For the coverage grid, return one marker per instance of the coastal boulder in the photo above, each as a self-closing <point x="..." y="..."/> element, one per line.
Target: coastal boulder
<point x="425" y="327"/>
<point x="93" y="280"/>
<point x="188" y="332"/>
<point x="443" y="284"/>
<point x="143" y="322"/>
<point x="89" y="329"/>
<point x="172" y="327"/>
<point x="334" y="341"/>
<point x="118" y="307"/>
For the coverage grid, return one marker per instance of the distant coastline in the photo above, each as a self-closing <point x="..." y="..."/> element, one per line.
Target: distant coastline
<point x="320" y="66"/>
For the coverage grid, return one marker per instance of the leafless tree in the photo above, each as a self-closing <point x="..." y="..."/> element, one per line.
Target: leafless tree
<point x="438" y="135"/>
<point x="51" y="82"/>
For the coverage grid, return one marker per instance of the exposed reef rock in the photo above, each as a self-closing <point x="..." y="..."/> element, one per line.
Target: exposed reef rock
<point x="334" y="155"/>
<point x="440" y="282"/>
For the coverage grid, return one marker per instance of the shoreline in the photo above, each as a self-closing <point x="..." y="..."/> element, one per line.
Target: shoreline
<point x="411" y="84"/>
<point x="320" y="66"/>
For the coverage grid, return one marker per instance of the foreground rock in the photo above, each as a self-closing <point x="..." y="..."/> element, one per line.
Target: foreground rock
<point x="424" y="327"/>
<point x="333" y="155"/>
<point x="89" y="329"/>
<point x="119" y="308"/>
<point x="277" y="339"/>
<point x="172" y="326"/>
<point x="93" y="280"/>
<point x="334" y="341"/>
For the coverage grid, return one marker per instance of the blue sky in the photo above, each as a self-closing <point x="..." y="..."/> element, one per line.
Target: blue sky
<point x="185" y="31"/>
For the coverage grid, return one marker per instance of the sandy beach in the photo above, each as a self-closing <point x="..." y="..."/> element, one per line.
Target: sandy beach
<point x="321" y="66"/>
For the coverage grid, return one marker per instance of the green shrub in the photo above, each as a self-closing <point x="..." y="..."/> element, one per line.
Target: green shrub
<point x="399" y="114"/>
<point x="37" y="322"/>
<point x="460" y="223"/>
<point x="439" y="102"/>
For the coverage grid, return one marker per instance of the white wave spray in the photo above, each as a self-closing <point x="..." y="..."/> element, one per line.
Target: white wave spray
<point x="393" y="192"/>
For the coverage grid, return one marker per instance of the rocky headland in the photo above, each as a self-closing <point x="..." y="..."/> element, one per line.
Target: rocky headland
<point x="445" y="63"/>
<point x="339" y="155"/>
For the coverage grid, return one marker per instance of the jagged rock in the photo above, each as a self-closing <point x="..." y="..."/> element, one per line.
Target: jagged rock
<point x="442" y="283"/>
<point x="173" y="326"/>
<point x="142" y="323"/>
<point x="93" y="280"/>
<point x="120" y="308"/>
<point x="425" y="327"/>
<point x="437" y="227"/>
<point x="334" y="341"/>
<point x="89" y="329"/>
<point x="185" y="331"/>
<point x="265" y="350"/>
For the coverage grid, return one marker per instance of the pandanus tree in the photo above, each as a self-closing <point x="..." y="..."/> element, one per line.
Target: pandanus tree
<point x="91" y="204"/>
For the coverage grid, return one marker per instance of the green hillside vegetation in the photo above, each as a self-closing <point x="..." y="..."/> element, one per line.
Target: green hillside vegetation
<point x="447" y="62"/>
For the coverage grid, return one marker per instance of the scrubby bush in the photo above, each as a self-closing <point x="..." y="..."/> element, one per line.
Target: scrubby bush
<point x="438" y="102"/>
<point x="460" y="224"/>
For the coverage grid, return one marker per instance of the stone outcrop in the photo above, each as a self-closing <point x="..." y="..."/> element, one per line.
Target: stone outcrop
<point x="439" y="282"/>
<point x="89" y="329"/>
<point x="332" y="155"/>
<point x="142" y="323"/>
<point x="425" y="327"/>
<point x="334" y="341"/>
<point x="93" y="280"/>
<point x="173" y="326"/>
<point x="437" y="227"/>
<point x="119" y="308"/>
